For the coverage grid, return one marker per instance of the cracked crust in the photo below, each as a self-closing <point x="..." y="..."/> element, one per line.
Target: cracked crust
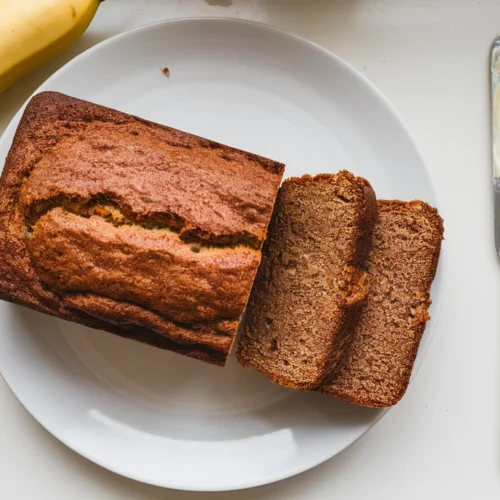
<point x="132" y="227"/>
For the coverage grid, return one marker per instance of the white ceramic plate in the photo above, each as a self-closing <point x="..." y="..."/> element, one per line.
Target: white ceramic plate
<point x="159" y="417"/>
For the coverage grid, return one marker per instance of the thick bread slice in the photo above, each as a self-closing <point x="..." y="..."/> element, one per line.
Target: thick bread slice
<point x="311" y="282"/>
<point x="376" y="368"/>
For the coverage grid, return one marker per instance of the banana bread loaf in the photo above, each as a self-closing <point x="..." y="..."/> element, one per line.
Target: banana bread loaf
<point x="132" y="227"/>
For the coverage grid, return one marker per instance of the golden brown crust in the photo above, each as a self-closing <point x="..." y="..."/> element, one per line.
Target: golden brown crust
<point x="130" y="226"/>
<point x="312" y="282"/>
<point x="377" y="366"/>
<point x="152" y="269"/>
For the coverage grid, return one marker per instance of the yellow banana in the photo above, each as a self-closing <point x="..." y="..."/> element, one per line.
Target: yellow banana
<point x="34" y="31"/>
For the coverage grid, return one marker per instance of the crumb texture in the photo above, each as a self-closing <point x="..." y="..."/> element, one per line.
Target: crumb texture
<point x="310" y="280"/>
<point x="376" y="368"/>
<point x="144" y="230"/>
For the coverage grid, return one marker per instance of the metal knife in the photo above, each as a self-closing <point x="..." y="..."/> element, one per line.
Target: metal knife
<point x="495" y="135"/>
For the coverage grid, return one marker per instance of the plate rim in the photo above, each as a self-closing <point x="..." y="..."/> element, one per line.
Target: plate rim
<point x="376" y="92"/>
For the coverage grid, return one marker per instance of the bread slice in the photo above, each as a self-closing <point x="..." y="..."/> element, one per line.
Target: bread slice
<point x="132" y="227"/>
<point x="376" y="369"/>
<point x="311" y="282"/>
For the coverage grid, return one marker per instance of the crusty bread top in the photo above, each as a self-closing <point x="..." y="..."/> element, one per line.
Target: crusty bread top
<point x="104" y="215"/>
<point x="376" y="368"/>
<point x="155" y="174"/>
<point x="149" y="268"/>
<point x="310" y="279"/>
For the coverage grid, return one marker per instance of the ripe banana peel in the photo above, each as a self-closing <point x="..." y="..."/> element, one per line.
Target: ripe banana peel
<point x="32" y="32"/>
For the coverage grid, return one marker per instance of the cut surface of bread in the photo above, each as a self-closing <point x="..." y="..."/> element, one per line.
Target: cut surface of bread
<point x="132" y="227"/>
<point x="311" y="282"/>
<point x="376" y="368"/>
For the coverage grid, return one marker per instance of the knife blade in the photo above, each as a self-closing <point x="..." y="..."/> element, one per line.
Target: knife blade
<point x="495" y="136"/>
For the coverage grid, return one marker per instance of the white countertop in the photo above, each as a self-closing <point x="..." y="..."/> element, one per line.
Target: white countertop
<point x="443" y="441"/>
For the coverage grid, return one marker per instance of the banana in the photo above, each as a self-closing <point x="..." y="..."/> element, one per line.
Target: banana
<point x="32" y="32"/>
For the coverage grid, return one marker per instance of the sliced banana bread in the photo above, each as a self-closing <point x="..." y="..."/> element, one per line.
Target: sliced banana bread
<point x="132" y="227"/>
<point x="376" y="368"/>
<point x="311" y="282"/>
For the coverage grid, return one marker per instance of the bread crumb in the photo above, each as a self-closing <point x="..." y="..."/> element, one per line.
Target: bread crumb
<point x="165" y="71"/>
